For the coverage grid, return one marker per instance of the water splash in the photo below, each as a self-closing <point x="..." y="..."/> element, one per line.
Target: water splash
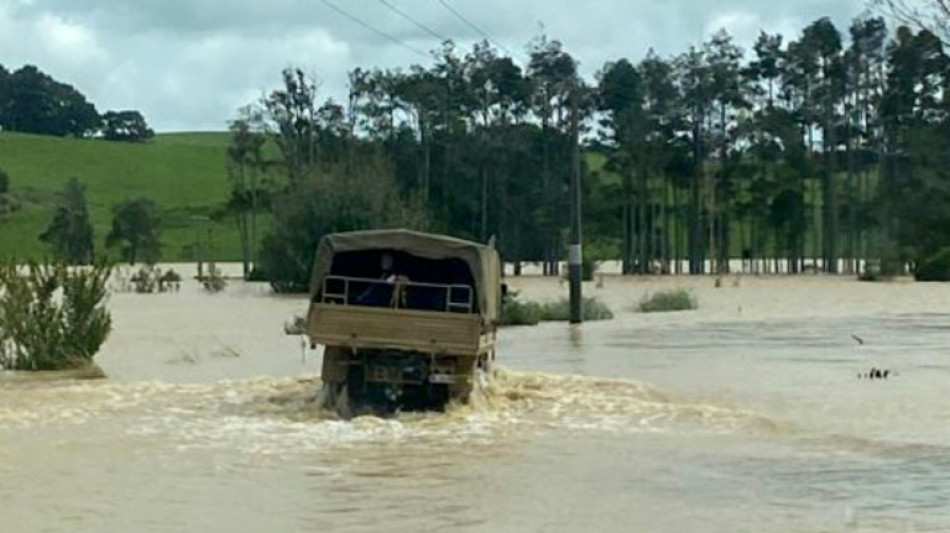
<point x="270" y="416"/>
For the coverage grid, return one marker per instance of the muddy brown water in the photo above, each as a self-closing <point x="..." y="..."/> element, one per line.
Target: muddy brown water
<point x="746" y="415"/>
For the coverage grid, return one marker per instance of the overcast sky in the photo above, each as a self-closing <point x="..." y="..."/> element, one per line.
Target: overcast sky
<point x="189" y="64"/>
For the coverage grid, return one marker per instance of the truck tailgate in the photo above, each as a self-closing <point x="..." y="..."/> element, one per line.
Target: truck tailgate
<point x="401" y="329"/>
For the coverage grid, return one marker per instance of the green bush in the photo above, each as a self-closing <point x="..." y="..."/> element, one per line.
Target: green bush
<point x="52" y="317"/>
<point x="9" y="204"/>
<point x="169" y="281"/>
<point x="214" y="281"/>
<point x="935" y="267"/>
<point x="298" y="326"/>
<point x="145" y="280"/>
<point x="257" y="275"/>
<point x="887" y="261"/>
<point x="874" y="275"/>
<point x="668" y="301"/>
<point x="150" y="279"/>
<point x="517" y="313"/>
<point x="560" y="311"/>
<point x="588" y="269"/>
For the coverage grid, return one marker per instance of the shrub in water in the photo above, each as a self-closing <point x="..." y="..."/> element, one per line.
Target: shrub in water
<point x="150" y="279"/>
<point x="51" y="317"/>
<point x="935" y="267"/>
<point x="169" y="281"/>
<point x="560" y="311"/>
<point x="667" y="301"/>
<point x="214" y="281"/>
<point x="297" y="327"/>
<point x="257" y="275"/>
<point x="517" y="313"/>
<point x="145" y="280"/>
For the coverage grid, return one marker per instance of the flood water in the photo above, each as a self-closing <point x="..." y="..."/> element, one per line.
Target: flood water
<point x="746" y="415"/>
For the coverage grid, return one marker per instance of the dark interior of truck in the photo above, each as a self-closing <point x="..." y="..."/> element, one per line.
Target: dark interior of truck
<point x="426" y="281"/>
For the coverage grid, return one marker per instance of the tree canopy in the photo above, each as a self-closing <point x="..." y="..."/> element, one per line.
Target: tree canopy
<point x="70" y="233"/>
<point x="125" y="126"/>
<point x="824" y="150"/>
<point x="31" y="101"/>
<point x="135" y="231"/>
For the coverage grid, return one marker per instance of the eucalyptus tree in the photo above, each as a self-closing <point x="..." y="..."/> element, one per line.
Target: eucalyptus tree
<point x="421" y="93"/>
<point x="730" y="102"/>
<point x="245" y="167"/>
<point x="800" y="71"/>
<point x="291" y="111"/>
<point x="481" y="114"/>
<point x="663" y="121"/>
<point x="822" y="40"/>
<point x="450" y="133"/>
<point x="865" y="62"/>
<point x="915" y="114"/>
<point x="695" y="82"/>
<point x="501" y="94"/>
<point x="553" y="74"/>
<point x="621" y="99"/>
<point x="763" y="75"/>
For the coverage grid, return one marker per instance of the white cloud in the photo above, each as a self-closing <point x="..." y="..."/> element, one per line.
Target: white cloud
<point x="68" y="41"/>
<point x="189" y="64"/>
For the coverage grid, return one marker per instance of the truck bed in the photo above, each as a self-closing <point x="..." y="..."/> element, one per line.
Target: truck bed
<point x="400" y="329"/>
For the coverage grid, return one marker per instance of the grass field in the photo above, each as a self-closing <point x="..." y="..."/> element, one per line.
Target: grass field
<point x="183" y="173"/>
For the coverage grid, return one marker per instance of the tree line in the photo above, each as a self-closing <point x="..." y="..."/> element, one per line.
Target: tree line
<point x="33" y="102"/>
<point x="824" y="151"/>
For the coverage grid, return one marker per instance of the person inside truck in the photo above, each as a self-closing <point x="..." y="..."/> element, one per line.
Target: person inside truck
<point x="381" y="294"/>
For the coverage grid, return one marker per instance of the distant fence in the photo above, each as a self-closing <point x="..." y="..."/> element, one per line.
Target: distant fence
<point x="736" y="266"/>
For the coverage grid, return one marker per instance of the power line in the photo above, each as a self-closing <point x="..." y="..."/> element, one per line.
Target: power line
<point x="418" y="24"/>
<point x="474" y="27"/>
<point x="375" y="30"/>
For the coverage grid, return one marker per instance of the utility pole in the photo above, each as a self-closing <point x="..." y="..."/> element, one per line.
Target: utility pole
<point x="576" y="255"/>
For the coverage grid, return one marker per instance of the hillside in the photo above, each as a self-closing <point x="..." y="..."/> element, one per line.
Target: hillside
<point x="183" y="173"/>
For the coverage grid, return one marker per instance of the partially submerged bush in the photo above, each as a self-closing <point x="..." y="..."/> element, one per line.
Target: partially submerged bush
<point x="668" y="301"/>
<point x="214" y="281"/>
<point x="873" y="276"/>
<point x="935" y="267"/>
<point x="145" y="280"/>
<point x="169" y="281"/>
<point x="877" y="270"/>
<point x="148" y="280"/>
<point x="518" y="313"/>
<point x="52" y="317"/>
<point x="257" y="275"/>
<point x="560" y="311"/>
<point x="298" y="326"/>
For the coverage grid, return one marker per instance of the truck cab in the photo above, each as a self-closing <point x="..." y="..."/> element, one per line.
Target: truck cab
<point x="407" y="319"/>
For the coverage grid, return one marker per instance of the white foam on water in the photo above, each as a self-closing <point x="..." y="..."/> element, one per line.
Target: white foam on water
<point x="281" y="417"/>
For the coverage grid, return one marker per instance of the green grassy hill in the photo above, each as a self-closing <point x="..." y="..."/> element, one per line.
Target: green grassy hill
<point x="183" y="173"/>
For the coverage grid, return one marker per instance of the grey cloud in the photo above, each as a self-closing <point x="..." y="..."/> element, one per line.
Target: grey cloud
<point x="189" y="64"/>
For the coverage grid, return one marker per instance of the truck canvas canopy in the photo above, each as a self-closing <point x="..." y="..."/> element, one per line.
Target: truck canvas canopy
<point x="420" y="256"/>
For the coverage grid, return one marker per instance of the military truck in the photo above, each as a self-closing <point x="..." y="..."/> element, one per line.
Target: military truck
<point x="407" y="319"/>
